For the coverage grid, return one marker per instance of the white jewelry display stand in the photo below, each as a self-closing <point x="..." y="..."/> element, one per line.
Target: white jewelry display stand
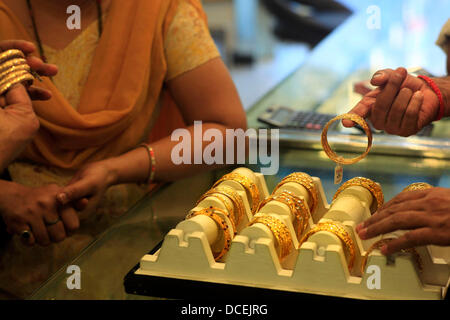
<point x="319" y="266"/>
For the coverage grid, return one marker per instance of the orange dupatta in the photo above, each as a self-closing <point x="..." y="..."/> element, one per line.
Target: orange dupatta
<point x="120" y="95"/>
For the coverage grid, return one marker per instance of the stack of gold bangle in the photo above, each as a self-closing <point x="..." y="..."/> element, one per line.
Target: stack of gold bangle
<point x="279" y="231"/>
<point x="297" y="206"/>
<point x="380" y="243"/>
<point x="249" y="186"/>
<point x="333" y="156"/>
<point x="13" y="70"/>
<point x="305" y="181"/>
<point x="417" y="186"/>
<point x="338" y="230"/>
<point x="221" y="224"/>
<point x="370" y="185"/>
<point x="228" y="212"/>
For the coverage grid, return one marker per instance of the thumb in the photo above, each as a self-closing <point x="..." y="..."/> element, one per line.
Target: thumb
<point x="381" y="77"/>
<point x="75" y="191"/>
<point x="17" y="95"/>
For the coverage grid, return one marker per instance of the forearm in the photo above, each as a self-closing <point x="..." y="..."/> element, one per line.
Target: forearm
<point x="134" y="166"/>
<point x="8" y="152"/>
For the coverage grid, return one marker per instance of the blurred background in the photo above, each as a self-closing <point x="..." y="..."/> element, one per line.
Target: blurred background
<point x="263" y="41"/>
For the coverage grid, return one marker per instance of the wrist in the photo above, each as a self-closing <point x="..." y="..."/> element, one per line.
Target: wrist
<point x="113" y="171"/>
<point x="444" y="86"/>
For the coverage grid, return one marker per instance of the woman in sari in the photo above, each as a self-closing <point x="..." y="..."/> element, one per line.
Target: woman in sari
<point x="134" y="72"/>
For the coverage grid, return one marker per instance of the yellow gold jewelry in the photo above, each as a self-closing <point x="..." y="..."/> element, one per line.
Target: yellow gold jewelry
<point x="12" y="76"/>
<point x="221" y="224"/>
<point x="11" y="54"/>
<point x="417" y="186"/>
<point x="373" y="187"/>
<point x="305" y="181"/>
<point x="22" y="67"/>
<point x="279" y="231"/>
<point x="339" y="231"/>
<point x="229" y="212"/>
<point x="12" y="63"/>
<point x="8" y="85"/>
<point x="296" y="206"/>
<point x="235" y="198"/>
<point x="333" y="156"/>
<point x="380" y="243"/>
<point x="248" y="185"/>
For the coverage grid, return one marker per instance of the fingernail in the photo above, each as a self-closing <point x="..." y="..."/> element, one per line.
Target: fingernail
<point x="418" y="94"/>
<point x="377" y="75"/>
<point x="362" y="233"/>
<point x="62" y="198"/>
<point x="383" y="249"/>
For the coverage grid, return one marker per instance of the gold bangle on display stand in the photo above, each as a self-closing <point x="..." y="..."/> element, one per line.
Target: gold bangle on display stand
<point x="418" y="186"/>
<point x="305" y="181"/>
<point x="279" y="231"/>
<point x="248" y="185"/>
<point x="370" y="185"/>
<point x="380" y="243"/>
<point x="221" y="224"/>
<point x="229" y="212"/>
<point x="326" y="147"/>
<point x="296" y="205"/>
<point x="339" y="231"/>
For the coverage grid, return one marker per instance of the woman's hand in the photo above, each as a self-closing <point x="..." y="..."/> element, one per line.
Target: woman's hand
<point x="401" y="105"/>
<point x="425" y="214"/>
<point x="36" y="64"/>
<point x="36" y="210"/>
<point x="88" y="185"/>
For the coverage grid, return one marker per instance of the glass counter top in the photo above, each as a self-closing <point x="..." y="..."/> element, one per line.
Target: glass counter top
<point x="351" y="53"/>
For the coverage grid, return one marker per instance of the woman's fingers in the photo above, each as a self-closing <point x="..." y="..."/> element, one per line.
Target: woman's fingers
<point x="37" y="93"/>
<point x="75" y="191"/>
<point x="43" y="69"/>
<point x="70" y="218"/>
<point x="26" y="47"/>
<point x="57" y="231"/>
<point x="40" y="232"/>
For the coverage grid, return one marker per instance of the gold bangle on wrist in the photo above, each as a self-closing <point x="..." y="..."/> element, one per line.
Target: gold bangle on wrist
<point x="305" y="181"/>
<point x="417" y="186"/>
<point x="296" y="206"/>
<point x="229" y="212"/>
<point x="221" y="224"/>
<point x="373" y="187"/>
<point x="333" y="156"/>
<point x="279" y="231"/>
<point x="339" y="231"/>
<point x="247" y="184"/>
<point x="380" y="243"/>
<point x="152" y="164"/>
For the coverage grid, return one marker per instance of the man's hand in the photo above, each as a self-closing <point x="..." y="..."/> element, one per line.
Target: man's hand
<point x="425" y="214"/>
<point x="36" y="64"/>
<point x="401" y="105"/>
<point x="36" y="209"/>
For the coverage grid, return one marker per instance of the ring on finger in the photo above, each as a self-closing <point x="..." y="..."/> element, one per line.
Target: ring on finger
<point x="51" y="223"/>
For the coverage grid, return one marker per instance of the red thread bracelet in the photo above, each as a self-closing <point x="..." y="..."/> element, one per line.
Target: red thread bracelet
<point x="438" y="92"/>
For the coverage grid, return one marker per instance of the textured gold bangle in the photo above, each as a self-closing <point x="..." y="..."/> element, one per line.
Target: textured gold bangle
<point x="248" y="185"/>
<point x="279" y="231"/>
<point x="12" y="63"/>
<point x="8" y="85"/>
<point x="229" y="212"/>
<point x="305" y="181"/>
<point x="373" y="187"/>
<point x="380" y="243"/>
<point x="417" y="186"/>
<point x="221" y="224"/>
<point x="11" y="54"/>
<point x="22" y="67"/>
<point x="235" y="198"/>
<point x="296" y="205"/>
<point x="338" y="230"/>
<point x="12" y="76"/>
<point x="333" y="156"/>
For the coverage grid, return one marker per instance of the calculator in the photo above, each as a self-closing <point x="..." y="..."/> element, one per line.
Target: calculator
<point x="288" y="118"/>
